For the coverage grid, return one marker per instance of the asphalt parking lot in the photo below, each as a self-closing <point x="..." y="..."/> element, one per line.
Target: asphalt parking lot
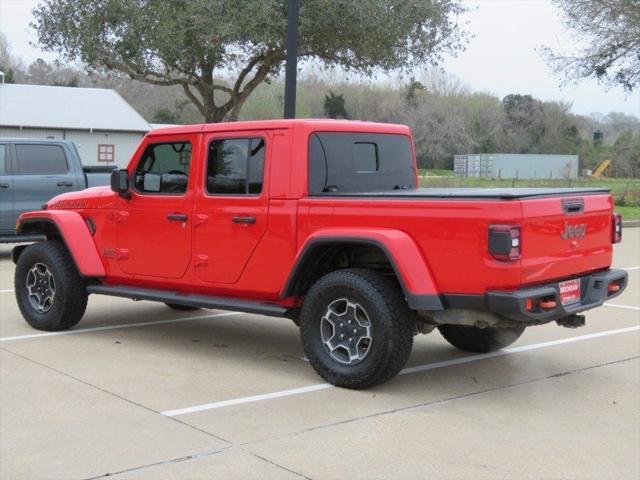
<point x="137" y="390"/>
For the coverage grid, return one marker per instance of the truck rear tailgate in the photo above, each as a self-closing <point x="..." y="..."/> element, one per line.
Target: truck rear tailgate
<point x="565" y="236"/>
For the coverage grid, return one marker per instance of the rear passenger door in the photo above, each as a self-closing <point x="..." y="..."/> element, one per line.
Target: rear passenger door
<point x="231" y="215"/>
<point x="40" y="173"/>
<point x="7" y="217"/>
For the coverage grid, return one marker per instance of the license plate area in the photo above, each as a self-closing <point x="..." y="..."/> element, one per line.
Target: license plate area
<point x="570" y="291"/>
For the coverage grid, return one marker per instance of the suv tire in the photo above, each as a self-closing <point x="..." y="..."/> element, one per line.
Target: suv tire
<point x="49" y="291"/>
<point x="356" y="328"/>
<point x="480" y="340"/>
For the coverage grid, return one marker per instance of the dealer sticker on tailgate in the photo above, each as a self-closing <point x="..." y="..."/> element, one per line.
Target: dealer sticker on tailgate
<point x="570" y="291"/>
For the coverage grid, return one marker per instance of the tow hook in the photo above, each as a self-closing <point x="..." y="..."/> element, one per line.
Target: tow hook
<point x="572" y="321"/>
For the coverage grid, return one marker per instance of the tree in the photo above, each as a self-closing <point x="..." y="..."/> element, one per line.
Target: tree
<point x="9" y="65"/>
<point x="164" y="115"/>
<point x="42" y="73"/>
<point x="487" y="120"/>
<point x="611" y="32"/>
<point x="440" y="129"/>
<point x="524" y="122"/>
<point x="334" y="106"/>
<point x="413" y="87"/>
<point x="626" y="155"/>
<point x="192" y="43"/>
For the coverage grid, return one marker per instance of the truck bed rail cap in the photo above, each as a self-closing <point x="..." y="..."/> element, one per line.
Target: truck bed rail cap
<point x="500" y="193"/>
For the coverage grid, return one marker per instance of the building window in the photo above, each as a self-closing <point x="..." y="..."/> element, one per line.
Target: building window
<point x="106" y="152"/>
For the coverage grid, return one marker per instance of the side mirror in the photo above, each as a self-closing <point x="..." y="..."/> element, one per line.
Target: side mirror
<point x="120" y="182"/>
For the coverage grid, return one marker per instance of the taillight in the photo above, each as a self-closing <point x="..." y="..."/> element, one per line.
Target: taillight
<point x="504" y="242"/>
<point x="616" y="228"/>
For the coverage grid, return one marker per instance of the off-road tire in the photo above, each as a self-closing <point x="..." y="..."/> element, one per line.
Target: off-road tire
<point x="480" y="340"/>
<point x="392" y="324"/>
<point x="70" y="299"/>
<point x="182" y="308"/>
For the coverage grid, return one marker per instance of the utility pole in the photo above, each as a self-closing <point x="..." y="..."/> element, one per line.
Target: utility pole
<point x="291" y="69"/>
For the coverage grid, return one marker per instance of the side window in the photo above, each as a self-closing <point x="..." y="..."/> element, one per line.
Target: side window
<point x="41" y="160"/>
<point x="359" y="162"/>
<point x="164" y="168"/>
<point x="235" y="166"/>
<point x="3" y="160"/>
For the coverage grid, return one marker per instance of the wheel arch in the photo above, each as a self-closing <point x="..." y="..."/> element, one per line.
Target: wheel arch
<point x="317" y="258"/>
<point x="72" y="230"/>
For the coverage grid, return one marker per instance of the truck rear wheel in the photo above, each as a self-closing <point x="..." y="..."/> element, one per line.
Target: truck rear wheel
<point x="480" y="340"/>
<point x="356" y="328"/>
<point x="50" y="293"/>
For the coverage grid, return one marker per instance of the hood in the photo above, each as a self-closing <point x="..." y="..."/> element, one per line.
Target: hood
<point x="94" y="197"/>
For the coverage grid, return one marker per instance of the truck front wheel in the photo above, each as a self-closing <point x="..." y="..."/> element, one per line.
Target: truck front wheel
<point x="480" y="340"/>
<point x="50" y="293"/>
<point x="356" y="328"/>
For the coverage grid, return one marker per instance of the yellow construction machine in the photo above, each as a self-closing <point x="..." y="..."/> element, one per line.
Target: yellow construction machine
<point x="601" y="168"/>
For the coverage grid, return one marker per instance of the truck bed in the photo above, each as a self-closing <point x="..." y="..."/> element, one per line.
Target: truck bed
<point x="484" y="193"/>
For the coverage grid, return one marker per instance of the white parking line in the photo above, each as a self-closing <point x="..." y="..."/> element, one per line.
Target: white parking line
<point x="7" y="291"/>
<point x="626" y="307"/>
<point x="419" y="368"/>
<point x="113" y="327"/>
<point x="628" y="269"/>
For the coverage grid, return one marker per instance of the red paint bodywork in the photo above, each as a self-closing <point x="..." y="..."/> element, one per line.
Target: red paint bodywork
<point x="438" y="245"/>
<point x="75" y="234"/>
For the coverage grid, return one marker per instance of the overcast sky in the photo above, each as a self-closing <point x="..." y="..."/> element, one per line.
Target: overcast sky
<point x="501" y="58"/>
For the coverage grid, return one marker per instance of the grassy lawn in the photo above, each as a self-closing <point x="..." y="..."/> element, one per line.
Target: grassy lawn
<point x="435" y="172"/>
<point x="625" y="191"/>
<point x="628" y="212"/>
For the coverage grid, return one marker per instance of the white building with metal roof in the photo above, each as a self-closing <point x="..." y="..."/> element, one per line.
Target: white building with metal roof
<point x="104" y="127"/>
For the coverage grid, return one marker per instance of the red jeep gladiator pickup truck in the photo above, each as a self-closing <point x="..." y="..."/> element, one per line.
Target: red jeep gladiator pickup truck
<point x="322" y="222"/>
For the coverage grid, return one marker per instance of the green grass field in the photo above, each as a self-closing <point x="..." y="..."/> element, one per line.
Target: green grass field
<point x="625" y="191"/>
<point x="435" y="172"/>
<point x="628" y="212"/>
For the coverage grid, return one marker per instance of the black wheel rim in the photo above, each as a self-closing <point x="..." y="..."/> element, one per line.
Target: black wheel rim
<point x="41" y="288"/>
<point x="346" y="333"/>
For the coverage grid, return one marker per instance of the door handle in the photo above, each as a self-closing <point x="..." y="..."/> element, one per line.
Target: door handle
<point x="65" y="184"/>
<point x="177" y="217"/>
<point x="4" y="185"/>
<point x="244" y="220"/>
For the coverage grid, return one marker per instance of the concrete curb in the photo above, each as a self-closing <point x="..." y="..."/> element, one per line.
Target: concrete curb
<point x="631" y="224"/>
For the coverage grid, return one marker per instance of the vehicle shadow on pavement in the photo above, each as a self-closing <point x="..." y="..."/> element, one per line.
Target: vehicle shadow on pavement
<point x="243" y="341"/>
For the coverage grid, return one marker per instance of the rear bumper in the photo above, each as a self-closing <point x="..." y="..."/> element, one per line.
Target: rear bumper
<point x="594" y="292"/>
<point x="512" y="304"/>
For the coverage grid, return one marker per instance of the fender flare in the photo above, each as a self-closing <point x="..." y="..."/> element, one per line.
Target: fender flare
<point x="402" y="252"/>
<point x="73" y="231"/>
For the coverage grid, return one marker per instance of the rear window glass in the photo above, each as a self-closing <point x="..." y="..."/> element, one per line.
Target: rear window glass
<point x="359" y="162"/>
<point x="40" y="160"/>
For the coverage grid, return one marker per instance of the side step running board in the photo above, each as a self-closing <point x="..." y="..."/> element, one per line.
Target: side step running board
<point x="191" y="300"/>
<point x="21" y="238"/>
